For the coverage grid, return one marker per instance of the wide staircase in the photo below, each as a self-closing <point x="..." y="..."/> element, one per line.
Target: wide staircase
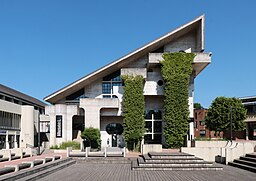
<point x="172" y="161"/>
<point x="247" y="162"/>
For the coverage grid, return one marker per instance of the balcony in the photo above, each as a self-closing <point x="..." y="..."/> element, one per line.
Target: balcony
<point x="134" y="72"/>
<point x="200" y="61"/>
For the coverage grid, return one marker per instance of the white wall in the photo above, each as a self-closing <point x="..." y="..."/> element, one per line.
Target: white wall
<point x="67" y="112"/>
<point x="28" y="119"/>
<point x="10" y="107"/>
<point x="183" y="43"/>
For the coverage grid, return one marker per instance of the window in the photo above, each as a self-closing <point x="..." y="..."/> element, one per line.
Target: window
<point x="114" y="128"/>
<point x="108" y="84"/>
<point x="153" y="127"/>
<point x="202" y="133"/>
<point x="202" y="123"/>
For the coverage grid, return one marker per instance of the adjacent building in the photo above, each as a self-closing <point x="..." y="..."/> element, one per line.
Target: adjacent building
<point x="18" y="118"/>
<point x="200" y="126"/>
<point x="95" y="100"/>
<point x="250" y="104"/>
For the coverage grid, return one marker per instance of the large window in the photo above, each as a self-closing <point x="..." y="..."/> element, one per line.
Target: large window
<point x="108" y="84"/>
<point x="9" y="120"/>
<point x="153" y="127"/>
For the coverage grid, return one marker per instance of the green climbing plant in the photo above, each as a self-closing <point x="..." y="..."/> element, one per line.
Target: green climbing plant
<point x="133" y="109"/>
<point x="176" y="69"/>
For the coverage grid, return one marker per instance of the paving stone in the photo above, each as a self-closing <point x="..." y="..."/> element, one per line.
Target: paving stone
<point x="117" y="172"/>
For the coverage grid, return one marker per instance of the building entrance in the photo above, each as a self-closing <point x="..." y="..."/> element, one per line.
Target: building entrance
<point x="115" y="130"/>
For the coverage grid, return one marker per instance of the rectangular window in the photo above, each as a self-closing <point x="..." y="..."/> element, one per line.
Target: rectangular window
<point x="195" y="124"/>
<point x="58" y="126"/>
<point x="157" y="126"/>
<point x="106" y="88"/>
<point x="202" y="133"/>
<point x="202" y="123"/>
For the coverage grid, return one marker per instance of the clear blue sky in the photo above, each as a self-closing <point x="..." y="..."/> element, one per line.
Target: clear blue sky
<point x="47" y="44"/>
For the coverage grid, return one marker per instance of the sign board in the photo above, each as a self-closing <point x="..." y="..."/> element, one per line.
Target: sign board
<point x="58" y="126"/>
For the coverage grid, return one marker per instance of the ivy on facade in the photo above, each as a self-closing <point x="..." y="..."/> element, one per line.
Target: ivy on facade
<point x="176" y="69"/>
<point x="133" y="109"/>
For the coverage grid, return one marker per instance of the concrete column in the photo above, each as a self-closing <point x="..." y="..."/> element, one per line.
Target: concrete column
<point x="7" y="145"/>
<point x="92" y="117"/>
<point x="191" y="130"/>
<point x="27" y="126"/>
<point x="247" y="131"/>
<point x="15" y="140"/>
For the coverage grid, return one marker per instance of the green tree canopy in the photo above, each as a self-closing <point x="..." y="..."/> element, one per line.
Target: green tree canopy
<point x="197" y="106"/>
<point x="218" y="117"/>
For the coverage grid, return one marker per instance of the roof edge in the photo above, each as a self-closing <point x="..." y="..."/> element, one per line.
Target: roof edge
<point x="200" y="18"/>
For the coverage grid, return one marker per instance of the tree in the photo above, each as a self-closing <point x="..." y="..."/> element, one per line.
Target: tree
<point x="176" y="69"/>
<point x="133" y="109"/>
<point x="93" y="135"/>
<point x="218" y="116"/>
<point x="197" y="106"/>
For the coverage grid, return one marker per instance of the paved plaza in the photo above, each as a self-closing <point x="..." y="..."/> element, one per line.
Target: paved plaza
<point x="123" y="172"/>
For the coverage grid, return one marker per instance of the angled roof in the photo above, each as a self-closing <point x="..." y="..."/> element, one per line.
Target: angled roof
<point x="117" y="64"/>
<point x="18" y="95"/>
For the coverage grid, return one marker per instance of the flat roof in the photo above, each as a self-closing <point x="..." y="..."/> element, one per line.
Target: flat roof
<point x="19" y="95"/>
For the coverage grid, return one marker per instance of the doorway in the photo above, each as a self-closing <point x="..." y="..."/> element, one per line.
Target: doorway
<point x="115" y="130"/>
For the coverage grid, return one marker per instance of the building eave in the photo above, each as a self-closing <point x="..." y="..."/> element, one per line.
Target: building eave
<point x="52" y="98"/>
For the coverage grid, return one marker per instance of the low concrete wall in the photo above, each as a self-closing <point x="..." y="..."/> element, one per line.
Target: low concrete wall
<point x="207" y="153"/>
<point x="229" y="152"/>
<point x="217" y="144"/>
<point x="151" y="148"/>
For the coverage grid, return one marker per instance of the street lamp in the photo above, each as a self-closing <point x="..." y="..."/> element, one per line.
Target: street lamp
<point x="231" y="124"/>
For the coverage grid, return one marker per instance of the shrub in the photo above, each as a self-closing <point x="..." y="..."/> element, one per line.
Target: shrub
<point x="54" y="147"/>
<point x="93" y="136"/>
<point x="73" y="144"/>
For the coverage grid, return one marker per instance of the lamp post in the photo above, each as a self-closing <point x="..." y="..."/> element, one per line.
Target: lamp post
<point x="38" y="133"/>
<point x="231" y="124"/>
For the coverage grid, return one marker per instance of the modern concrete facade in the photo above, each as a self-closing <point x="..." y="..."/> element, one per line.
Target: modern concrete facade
<point x="96" y="99"/>
<point x="18" y="118"/>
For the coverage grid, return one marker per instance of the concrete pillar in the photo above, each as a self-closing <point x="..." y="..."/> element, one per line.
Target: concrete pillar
<point x="27" y="126"/>
<point x="247" y="131"/>
<point x="7" y="145"/>
<point x="15" y="140"/>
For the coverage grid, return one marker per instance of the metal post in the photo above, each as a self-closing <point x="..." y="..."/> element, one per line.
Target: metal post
<point x="38" y="133"/>
<point x="231" y="124"/>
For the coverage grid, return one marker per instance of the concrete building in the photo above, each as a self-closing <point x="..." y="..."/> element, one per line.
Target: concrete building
<point x="18" y="118"/>
<point x="95" y="100"/>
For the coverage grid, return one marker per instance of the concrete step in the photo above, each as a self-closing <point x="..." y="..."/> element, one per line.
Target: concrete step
<point x="251" y="159"/>
<point x="135" y="166"/>
<point x="105" y="160"/>
<point x="245" y="167"/>
<point x="162" y="155"/>
<point x="251" y="155"/>
<point x="48" y="171"/>
<point x="142" y="163"/>
<point x="38" y="171"/>
<point x="148" y="159"/>
<point x="245" y="162"/>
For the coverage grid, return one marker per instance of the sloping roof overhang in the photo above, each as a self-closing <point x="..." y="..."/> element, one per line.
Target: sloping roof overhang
<point x="142" y="51"/>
